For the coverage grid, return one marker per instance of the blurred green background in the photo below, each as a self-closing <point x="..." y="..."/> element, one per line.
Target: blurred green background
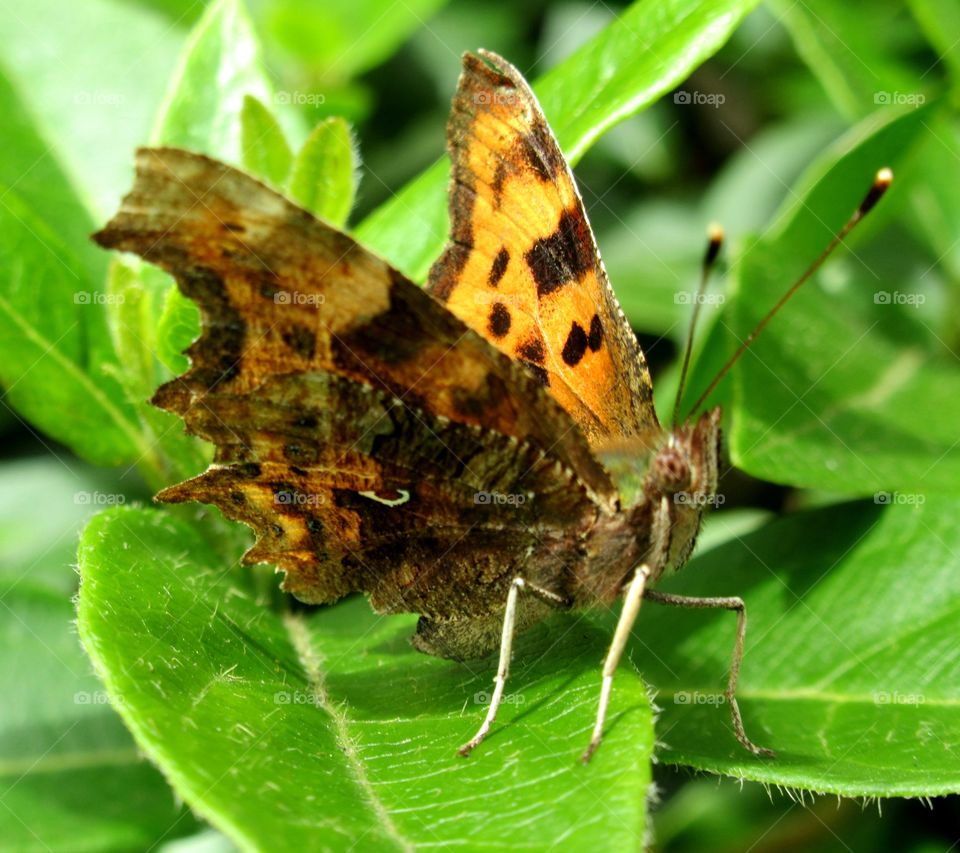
<point x="82" y="84"/>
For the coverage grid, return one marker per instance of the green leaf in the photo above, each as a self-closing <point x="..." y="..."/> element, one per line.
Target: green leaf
<point x="324" y="177"/>
<point x="219" y="67"/>
<point x="851" y="671"/>
<point x="648" y="50"/>
<point x="48" y="364"/>
<point x="41" y="547"/>
<point x="177" y="328"/>
<point x="266" y="153"/>
<point x="850" y="389"/>
<point x="333" y="725"/>
<point x="342" y="40"/>
<point x="856" y="56"/>
<point x="91" y="76"/>
<point x="70" y="774"/>
<point x="940" y="21"/>
<point x="654" y="252"/>
<point x="56" y="353"/>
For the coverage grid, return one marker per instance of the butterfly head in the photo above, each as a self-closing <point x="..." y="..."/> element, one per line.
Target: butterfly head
<point x="684" y="467"/>
<point x="680" y="484"/>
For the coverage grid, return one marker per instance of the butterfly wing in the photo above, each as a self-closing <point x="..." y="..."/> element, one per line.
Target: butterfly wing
<point x="522" y="267"/>
<point x="355" y="419"/>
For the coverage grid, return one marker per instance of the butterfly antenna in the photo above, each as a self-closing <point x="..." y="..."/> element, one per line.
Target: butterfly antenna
<point x="880" y="185"/>
<point x="714" y="242"/>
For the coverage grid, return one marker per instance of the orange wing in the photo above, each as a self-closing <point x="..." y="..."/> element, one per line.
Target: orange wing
<point x="522" y="267"/>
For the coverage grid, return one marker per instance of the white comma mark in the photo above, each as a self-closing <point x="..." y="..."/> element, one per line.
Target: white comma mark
<point x="404" y="497"/>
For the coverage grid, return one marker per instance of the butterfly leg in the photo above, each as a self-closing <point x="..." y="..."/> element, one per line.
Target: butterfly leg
<point x="731" y="603"/>
<point x="506" y="645"/>
<point x="631" y="607"/>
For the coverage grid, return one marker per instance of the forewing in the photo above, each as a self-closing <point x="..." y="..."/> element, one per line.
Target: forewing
<point x="522" y="267"/>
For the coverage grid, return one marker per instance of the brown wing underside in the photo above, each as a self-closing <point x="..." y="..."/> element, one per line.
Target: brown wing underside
<point x="355" y="418"/>
<point x="522" y="267"/>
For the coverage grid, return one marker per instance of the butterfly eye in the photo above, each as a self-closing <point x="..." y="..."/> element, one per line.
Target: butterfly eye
<point x="671" y="470"/>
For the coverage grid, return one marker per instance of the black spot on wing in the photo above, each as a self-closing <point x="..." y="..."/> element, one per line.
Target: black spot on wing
<point x="499" y="178"/>
<point x="538" y="150"/>
<point x="499" y="322"/>
<point x="575" y="346"/>
<point x="563" y="257"/>
<point x="220" y="348"/>
<point x="596" y="334"/>
<point x="538" y="373"/>
<point x="499" y="267"/>
<point x="531" y="350"/>
<point x="301" y="340"/>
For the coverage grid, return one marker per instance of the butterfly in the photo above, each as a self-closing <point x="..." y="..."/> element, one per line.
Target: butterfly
<point x="480" y="452"/>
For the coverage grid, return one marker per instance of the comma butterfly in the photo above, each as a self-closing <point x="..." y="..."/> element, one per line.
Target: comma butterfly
<point x="442" y="450"/>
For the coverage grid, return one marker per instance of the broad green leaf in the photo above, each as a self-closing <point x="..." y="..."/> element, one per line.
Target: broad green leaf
<point x="861" y="62"/>
<point x="851" y="670"/>
<point x="71" y="776"/>
<point x="177" y="328"/>
<point x="40" y="547"/>
<point x="70" y="773"/>
<point x="91" y="75"/>
<point x="318" y="728"/>
<point x="857" y="57"/>
<point x="653" y="254"/>
<point x="324" y="176"/>
<point x="935" y="214"/>
<point x="647" y="51"/>
<point x="940" y="22"/>
<point x="219" y="67"/>
<point x="266" y="153"/>
<point x="341" y="40"/>
<point x="47" y="365"/>
<point x="56" y="354"/>
<point x="850" y="389"/>
<point x="32" y="170"/>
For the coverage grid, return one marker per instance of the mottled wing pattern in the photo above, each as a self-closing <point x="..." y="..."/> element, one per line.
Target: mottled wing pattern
<point x="360" y="427"/>
<point x="522" y="267"/>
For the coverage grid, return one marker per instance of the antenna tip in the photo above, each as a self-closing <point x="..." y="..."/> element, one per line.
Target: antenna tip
<point x="715" y="238"/>
<point x="880" y="185"/>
